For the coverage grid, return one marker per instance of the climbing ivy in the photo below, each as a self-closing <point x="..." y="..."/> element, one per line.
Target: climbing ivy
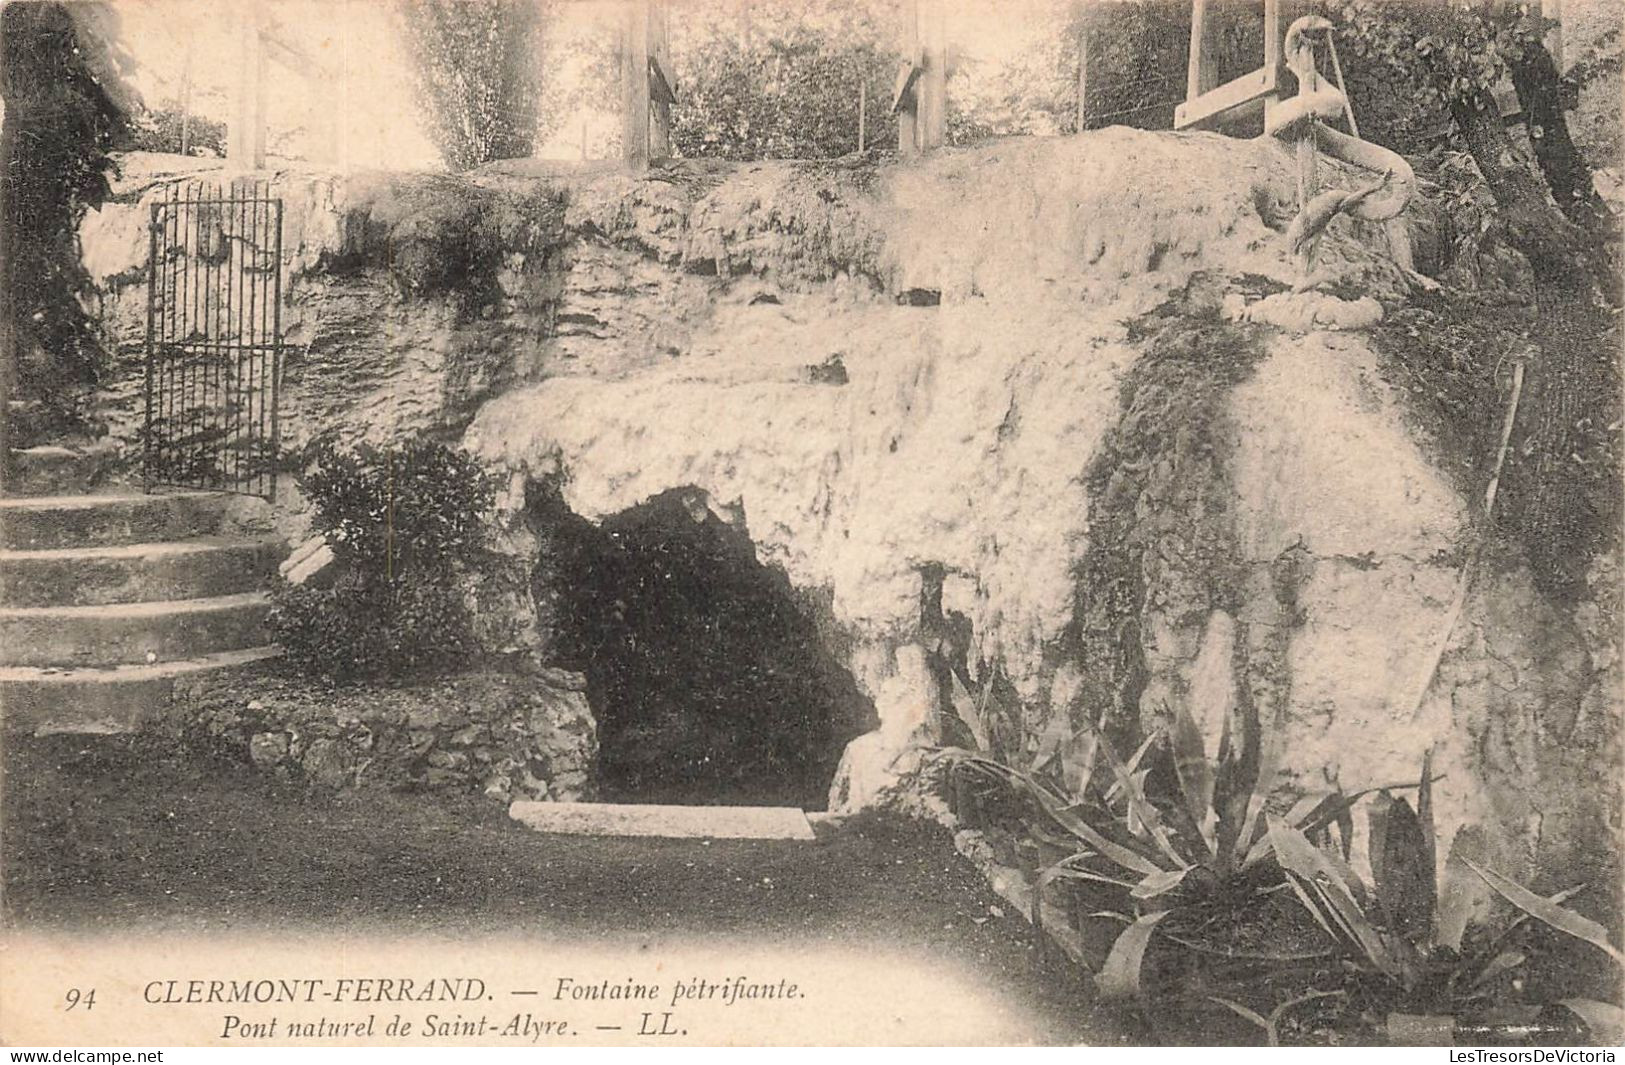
<point x="62" y="119"/>
<point x="1160" y="536"/>
<point x="1449" y="49"/>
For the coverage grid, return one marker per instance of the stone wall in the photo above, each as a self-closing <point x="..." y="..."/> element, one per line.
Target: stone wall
<point x="505" y="736"/>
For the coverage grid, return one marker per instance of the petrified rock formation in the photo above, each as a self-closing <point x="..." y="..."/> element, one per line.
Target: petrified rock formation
<point x="998" y="411"/>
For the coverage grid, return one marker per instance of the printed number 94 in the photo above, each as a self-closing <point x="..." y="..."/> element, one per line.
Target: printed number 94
<point x="78" y="998"/>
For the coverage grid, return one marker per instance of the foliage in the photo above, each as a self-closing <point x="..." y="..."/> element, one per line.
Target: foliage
<point x="1454" y="353"/>
<point x="1154" y="859"/>
<point x="1454" y="50"/>
<point x="160" y="131"/>
<point x="1030" y="92"/>
<point x="404" y="525"/>
<point x="1406" y="936"/>
<point x="781" y="82"/>
<point x="63" y="117"/>
<point x="1158" y="499"/>
<point x="477" y="72"/>
<point x="1138" y="54"/>
<point x="1210" y="859"/>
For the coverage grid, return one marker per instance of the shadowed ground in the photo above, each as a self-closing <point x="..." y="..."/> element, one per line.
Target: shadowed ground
<point x="105" y="835"/>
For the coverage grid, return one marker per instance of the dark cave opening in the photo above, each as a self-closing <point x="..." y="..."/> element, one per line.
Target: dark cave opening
<point x="708" y="674"/>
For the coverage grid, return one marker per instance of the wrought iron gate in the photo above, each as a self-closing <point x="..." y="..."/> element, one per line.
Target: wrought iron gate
<point x="214" y="338"/>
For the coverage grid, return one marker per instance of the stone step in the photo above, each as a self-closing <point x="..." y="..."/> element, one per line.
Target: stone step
<point x="127" y="633"/>
<point x="665" y="822"/>
<point x="135" y="573"/>
<point x="30" y="523"/>
<point x="56" y="469"/>
<point x="45" y="701"/>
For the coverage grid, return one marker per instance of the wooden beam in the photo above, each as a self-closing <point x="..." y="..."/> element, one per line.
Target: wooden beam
<point x="245" y="138"/>
<point x="905" y="100"/>
<point x="932" y="114"/>
<point x="921" y="94"/>
<point x="635" y="85"/>
<point x="1273" y="43"/>
<point x="662" y="85"/>
<point x="902" y="90"/>
<point x="1083" y="79"/>
<point x="1201" y="71"/>
<point x="1230" y="100"/>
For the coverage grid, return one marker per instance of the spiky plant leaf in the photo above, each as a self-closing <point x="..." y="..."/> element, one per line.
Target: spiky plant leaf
<point x="1195" y="772"/>
<point x="1430" y="841"/>
<point x="1078" y="761"/>
<point x="966" y="710"/>
<point x="1124" y="856"/>
<point x="1252" y="828"/>
<point x="1159" y="883"/>
<point x="1068" y="868"/>
<point x="1345" y="828"/>
<point x="1060" y="813"/>
<point x="1120" y="977"/>
<point x="1457" y="891"/>
<point x="1505" y="961"/>
<point x="1137" y="801"/>
<point x="1303" y="859"/>
<point x="1401" y="867"/>
<point x="1070" y="872"/>
<point x="1247" y="1014"/>
<point x="1050" y="742"/>
<point x="1312" y="813"/>
<point x="1116" y="792"/>
<point x="1547" y="911"/>
<point x="1605" y="1020"/>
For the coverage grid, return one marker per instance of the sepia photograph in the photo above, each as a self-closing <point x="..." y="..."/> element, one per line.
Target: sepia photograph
<point x="910" y="523"/>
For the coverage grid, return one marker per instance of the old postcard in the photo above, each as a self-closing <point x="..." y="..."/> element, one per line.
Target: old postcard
<point x="559" y="523"/>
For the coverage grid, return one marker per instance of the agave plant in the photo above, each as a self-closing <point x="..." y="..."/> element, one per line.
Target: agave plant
<point x="1404" y="934"/>
<point x="1207" y="846"/>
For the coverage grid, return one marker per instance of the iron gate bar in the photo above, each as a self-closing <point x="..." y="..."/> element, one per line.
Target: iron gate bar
<point x="214" y="338"/>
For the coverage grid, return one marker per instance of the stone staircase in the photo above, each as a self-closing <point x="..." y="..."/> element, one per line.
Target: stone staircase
<point x="106" y="598"/>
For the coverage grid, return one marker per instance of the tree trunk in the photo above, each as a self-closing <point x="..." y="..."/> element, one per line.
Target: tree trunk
<point x="1565" y="256"/>
<point x="1559" y="502"/>
<point x="1540" y="92"/>
<point x="1562" y="497"/>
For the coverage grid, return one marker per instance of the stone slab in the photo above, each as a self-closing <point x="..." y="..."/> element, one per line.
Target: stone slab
<point x="36" y="523"/>
<point x="101" y="701"/>
<point x="666" y="822"/>
<point x="128" y="633"/>
<point x="131" y="573"/>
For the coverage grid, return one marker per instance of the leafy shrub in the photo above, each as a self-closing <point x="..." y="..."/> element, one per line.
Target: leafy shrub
<point x="61" y="124"/>
<point x="789" y="87"/>
<point x="160" y="131"/>
<point x="404" y="527"/>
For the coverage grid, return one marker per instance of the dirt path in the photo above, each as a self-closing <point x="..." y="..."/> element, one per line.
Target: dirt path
<point x="102" y="834"/>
